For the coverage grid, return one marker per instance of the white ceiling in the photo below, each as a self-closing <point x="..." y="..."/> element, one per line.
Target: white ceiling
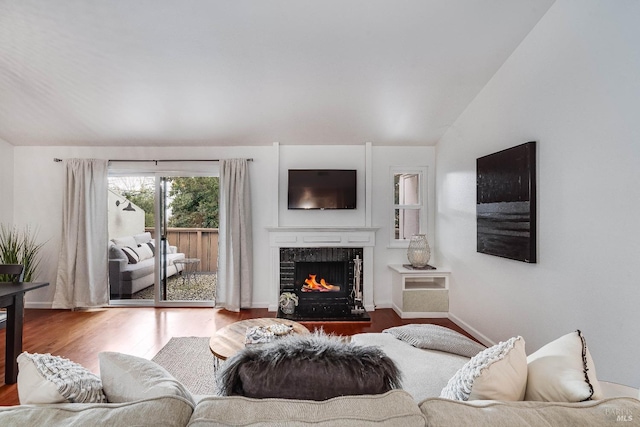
<point x="248" y="72"/>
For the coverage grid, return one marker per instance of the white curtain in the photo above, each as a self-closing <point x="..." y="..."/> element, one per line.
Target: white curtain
<point x="82" y="266"/>
<point x="235" y="241"/>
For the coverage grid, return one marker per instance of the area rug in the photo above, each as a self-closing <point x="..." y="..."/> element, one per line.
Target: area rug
<point x="190" y="361"/>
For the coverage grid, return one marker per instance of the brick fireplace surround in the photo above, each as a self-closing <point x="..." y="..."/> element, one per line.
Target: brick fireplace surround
<point x="360" y="238"/>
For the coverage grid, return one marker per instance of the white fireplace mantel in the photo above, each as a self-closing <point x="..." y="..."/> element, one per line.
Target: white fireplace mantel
<point x="322" y="237"/>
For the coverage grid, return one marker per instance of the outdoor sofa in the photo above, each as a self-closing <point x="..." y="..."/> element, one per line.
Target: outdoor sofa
<point x="132" y="264"/>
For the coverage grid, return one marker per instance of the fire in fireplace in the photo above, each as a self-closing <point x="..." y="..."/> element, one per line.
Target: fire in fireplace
<point x="321" y="276"/>
<point x="312" y="285"/>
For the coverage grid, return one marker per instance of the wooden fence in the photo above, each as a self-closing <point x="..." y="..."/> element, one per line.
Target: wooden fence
<point x="201" y="243"/>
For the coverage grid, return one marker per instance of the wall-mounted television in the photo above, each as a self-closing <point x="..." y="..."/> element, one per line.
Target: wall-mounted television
<point x="322" y="189"/>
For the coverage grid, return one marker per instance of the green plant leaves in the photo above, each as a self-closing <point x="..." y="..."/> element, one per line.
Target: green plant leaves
<point x="20" y="247"/>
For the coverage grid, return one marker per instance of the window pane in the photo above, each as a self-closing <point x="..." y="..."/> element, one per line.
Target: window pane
<point x="407" y="223"/>
<point x="406" y="189"/>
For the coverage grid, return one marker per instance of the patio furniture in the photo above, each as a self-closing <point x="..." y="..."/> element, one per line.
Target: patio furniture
<point x="189" y="268"/>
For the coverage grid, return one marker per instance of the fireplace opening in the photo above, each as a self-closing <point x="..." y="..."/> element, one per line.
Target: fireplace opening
<point x="328" y="276"/>
<point x="322" y="287"/>
<point x="327" y="282"/>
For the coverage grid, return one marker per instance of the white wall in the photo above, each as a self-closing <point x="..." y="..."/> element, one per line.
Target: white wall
<point x="573" y="86"/>
<point x="121" y="222"/>
<point x="6" y="183"/>
<point x="322" y="157"/>
<point x="383" y="159"/>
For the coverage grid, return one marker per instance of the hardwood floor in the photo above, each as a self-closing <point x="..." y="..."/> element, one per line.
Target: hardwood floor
<point x="81" y="335"/>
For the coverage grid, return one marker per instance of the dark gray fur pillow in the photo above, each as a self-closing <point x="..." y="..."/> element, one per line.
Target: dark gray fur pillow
<point x="308" y="367"/>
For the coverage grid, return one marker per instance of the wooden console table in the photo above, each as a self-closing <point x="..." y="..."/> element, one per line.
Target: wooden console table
<point x="12" y="298"/>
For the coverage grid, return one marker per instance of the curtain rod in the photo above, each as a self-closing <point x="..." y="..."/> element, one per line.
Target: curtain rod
<point x="156" y="161"/>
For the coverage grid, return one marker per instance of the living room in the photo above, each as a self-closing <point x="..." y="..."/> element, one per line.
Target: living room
<point x="569" y="83"/>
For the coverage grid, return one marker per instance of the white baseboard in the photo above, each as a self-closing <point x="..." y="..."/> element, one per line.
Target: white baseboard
<point x="383" y="304"/>
<point x="263" y="305"/>
<point x="46" y="305"/>
<point x="471" y="330"/>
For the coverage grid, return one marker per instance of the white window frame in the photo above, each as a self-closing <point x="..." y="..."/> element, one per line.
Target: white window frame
<point x="420" y="206"/>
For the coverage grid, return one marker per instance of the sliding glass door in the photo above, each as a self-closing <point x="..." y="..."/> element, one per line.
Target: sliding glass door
<point x="163" y="231"/>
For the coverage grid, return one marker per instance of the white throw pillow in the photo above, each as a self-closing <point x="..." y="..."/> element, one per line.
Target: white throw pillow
<point x="144" y="252"/>
<point x="127" y="378"/>
<point x="497" y="373"/>
<point x="563" y="371"/>
<point x="43" y="378"/>
<point x="142" y="237"/>
<point x="125" y="241"/>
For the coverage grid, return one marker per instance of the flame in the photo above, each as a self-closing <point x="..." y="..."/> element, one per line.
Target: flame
<point x="311" y="285"/>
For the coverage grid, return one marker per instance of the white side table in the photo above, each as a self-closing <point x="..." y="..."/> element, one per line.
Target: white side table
<point x="419" y="293"/>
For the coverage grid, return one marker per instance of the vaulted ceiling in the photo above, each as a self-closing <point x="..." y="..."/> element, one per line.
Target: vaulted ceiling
<point x="248" y="72"/>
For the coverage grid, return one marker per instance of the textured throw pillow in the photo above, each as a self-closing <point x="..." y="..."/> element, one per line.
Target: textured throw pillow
<point x="435" y="337"/>
<point x="127" y="378"/>
<point x="144" y="252"/>
<point x="497" y="373"/>
<point x="563" y="371"/>
<point x="131" y="254"/>
<point x="43" y="378"/>
<point x="308" y="367"/>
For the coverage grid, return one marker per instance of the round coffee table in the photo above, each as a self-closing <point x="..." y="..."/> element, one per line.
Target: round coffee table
<point x="229" y="340"/>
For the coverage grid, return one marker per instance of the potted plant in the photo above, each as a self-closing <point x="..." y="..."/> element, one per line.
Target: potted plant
<point x="20" y="247"/>
<point x="288" y="302"/>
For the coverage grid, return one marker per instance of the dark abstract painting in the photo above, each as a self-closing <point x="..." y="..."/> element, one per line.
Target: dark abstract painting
<point x="506" y="203"/>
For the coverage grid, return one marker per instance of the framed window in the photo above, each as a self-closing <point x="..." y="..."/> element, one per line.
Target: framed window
<point x="408" y="215"/>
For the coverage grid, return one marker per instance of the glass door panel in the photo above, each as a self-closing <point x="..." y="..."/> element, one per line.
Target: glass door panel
<point x="131" y="263"/>
<point x="189" y="232"/>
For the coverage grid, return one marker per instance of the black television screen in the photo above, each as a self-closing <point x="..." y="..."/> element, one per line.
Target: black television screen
<point x="322" y="189"/>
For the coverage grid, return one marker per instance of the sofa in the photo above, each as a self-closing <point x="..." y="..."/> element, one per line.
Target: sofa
<point x="142" y="393"/>
<point x="132" y="264"/>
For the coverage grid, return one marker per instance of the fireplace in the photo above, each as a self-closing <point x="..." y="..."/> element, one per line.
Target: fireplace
<point x="326" y="281"/>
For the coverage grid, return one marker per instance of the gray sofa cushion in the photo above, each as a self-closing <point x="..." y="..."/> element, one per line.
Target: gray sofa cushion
<point x="479" y="413"/>
<point x="144" y="268"/>
<point x="135" y="271"/>
<point x="169" y="411"/>
<point x="313" y="367"/>
<point x="395" y="408"/>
